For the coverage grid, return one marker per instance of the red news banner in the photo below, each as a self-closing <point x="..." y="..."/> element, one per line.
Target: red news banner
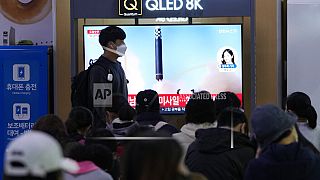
<point x="173" y="100"/>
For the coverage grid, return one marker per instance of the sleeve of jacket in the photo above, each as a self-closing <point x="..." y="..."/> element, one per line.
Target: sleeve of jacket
<point x="97" y="75"/>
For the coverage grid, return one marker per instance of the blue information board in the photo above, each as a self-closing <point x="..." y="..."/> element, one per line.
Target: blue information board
<point x="24" y="90"/>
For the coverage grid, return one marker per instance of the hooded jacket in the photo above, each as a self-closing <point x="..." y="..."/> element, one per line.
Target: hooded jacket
<point x="88" y="170"/>
<point x="211" y="154"/>
<point x="124" y="128"/>
<point x="188" y="131"/>
<point x="279" y="162"/>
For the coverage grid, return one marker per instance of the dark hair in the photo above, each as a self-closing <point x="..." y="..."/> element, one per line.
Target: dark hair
<point x="126" y="112"/>
<point x="111" y="33"/>
<point x="52" y="125"/>
<point x="100" y="155"/>
<point x="226" y="99"/>
<point x="231" y="53"/>
<point x="50" y="176"/>
<point x="238" y="116"/>
<point x="76" y="151"/>
<point x="147" y="101"/>
<point x="300" y="104"/>
<point x="200" y="108"/>
<point x="102" y="132"/>
<point x="79" y="118"/>
<point x="152" y="159"/>
<point x="111" y="145"/>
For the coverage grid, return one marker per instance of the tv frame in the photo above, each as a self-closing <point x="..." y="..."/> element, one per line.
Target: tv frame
<point x="172" y="24"/>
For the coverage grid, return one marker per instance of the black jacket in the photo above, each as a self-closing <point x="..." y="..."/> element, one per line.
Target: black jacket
<point x="98" y="74"/>
<point x="211" y="154"/>
<point x="281" y="162"/>
<point x="152" y="119"/>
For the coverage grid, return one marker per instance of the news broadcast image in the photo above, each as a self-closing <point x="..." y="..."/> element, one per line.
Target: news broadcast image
<point x="176" y="60"/>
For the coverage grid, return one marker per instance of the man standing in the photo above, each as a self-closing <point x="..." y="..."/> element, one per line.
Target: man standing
<point x="108" y="70"/>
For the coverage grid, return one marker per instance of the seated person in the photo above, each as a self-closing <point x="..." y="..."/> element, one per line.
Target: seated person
<point x="36" y="156"/>
<point x="89" y="160"/>
<point x="280" y="155"/>
<point x="122" y="116"/>
<point x="200" y="114"/>
<point x="223" y="152"/>
<point x="155" y="160"/>
<point x="79" y="122"/>
<point x="148" y="112"/>
<point x="226" y="99"/>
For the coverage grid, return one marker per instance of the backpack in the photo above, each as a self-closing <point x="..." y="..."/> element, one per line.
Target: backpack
<point x="80" y="88"/>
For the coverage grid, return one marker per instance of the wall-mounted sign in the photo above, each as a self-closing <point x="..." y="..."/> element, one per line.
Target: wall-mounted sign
<point x="160" y="8"/>
<point x="24" y="90"/>
<point x="136" y="7"/>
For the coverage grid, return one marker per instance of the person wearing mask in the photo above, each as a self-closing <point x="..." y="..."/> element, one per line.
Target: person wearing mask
<point x="108" y="70"/>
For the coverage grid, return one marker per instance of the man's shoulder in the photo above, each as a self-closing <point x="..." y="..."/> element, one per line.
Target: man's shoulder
<point x="101" y="65"/>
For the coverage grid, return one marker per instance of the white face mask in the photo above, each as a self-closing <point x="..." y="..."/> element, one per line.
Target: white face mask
<point x="121" y="50"/>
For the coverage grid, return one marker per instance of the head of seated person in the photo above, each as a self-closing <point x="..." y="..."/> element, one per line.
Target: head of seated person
<point x="54" y="126"/>
<point x="36" y="156"/>
<point x="234" y="119"/>
<point x="140" y="157"/>
<point x="226" y="99"/>
<point x="300" y="104"/>
<point x="79" y="122"/>
<point x="200" y="108"/>
<point x="147" y="101"/>
<point x="271" y="125"/>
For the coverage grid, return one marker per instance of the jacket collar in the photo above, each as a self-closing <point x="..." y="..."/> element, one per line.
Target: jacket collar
<point x="191" y="128"/>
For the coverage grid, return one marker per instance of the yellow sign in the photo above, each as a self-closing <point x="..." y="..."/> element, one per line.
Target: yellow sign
<point x="130" y="7"/>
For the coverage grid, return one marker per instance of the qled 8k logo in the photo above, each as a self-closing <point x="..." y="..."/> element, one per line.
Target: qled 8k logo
<point x="173" y="5"/>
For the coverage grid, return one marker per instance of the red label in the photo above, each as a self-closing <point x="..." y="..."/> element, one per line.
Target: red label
<point x="172" y="100"/>
<point x="94" y="31"/>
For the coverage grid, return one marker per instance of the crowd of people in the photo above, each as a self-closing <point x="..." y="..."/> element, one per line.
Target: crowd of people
<point x="214" y="143"/>
<point x="119" y="142"/>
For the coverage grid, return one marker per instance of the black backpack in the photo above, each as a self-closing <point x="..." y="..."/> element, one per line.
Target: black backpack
<point x="80" y="88"/>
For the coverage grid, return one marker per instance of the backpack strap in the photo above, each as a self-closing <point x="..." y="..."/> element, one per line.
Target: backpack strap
<point x="107" y="70"/>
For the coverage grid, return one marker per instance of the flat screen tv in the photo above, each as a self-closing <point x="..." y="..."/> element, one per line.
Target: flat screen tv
<point x="176" y="60"/>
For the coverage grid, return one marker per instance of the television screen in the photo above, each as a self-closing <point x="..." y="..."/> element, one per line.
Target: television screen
<point x="176" y="60"/>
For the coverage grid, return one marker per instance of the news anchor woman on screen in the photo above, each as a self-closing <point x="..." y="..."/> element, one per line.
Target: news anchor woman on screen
<point x="227" y="57"/>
